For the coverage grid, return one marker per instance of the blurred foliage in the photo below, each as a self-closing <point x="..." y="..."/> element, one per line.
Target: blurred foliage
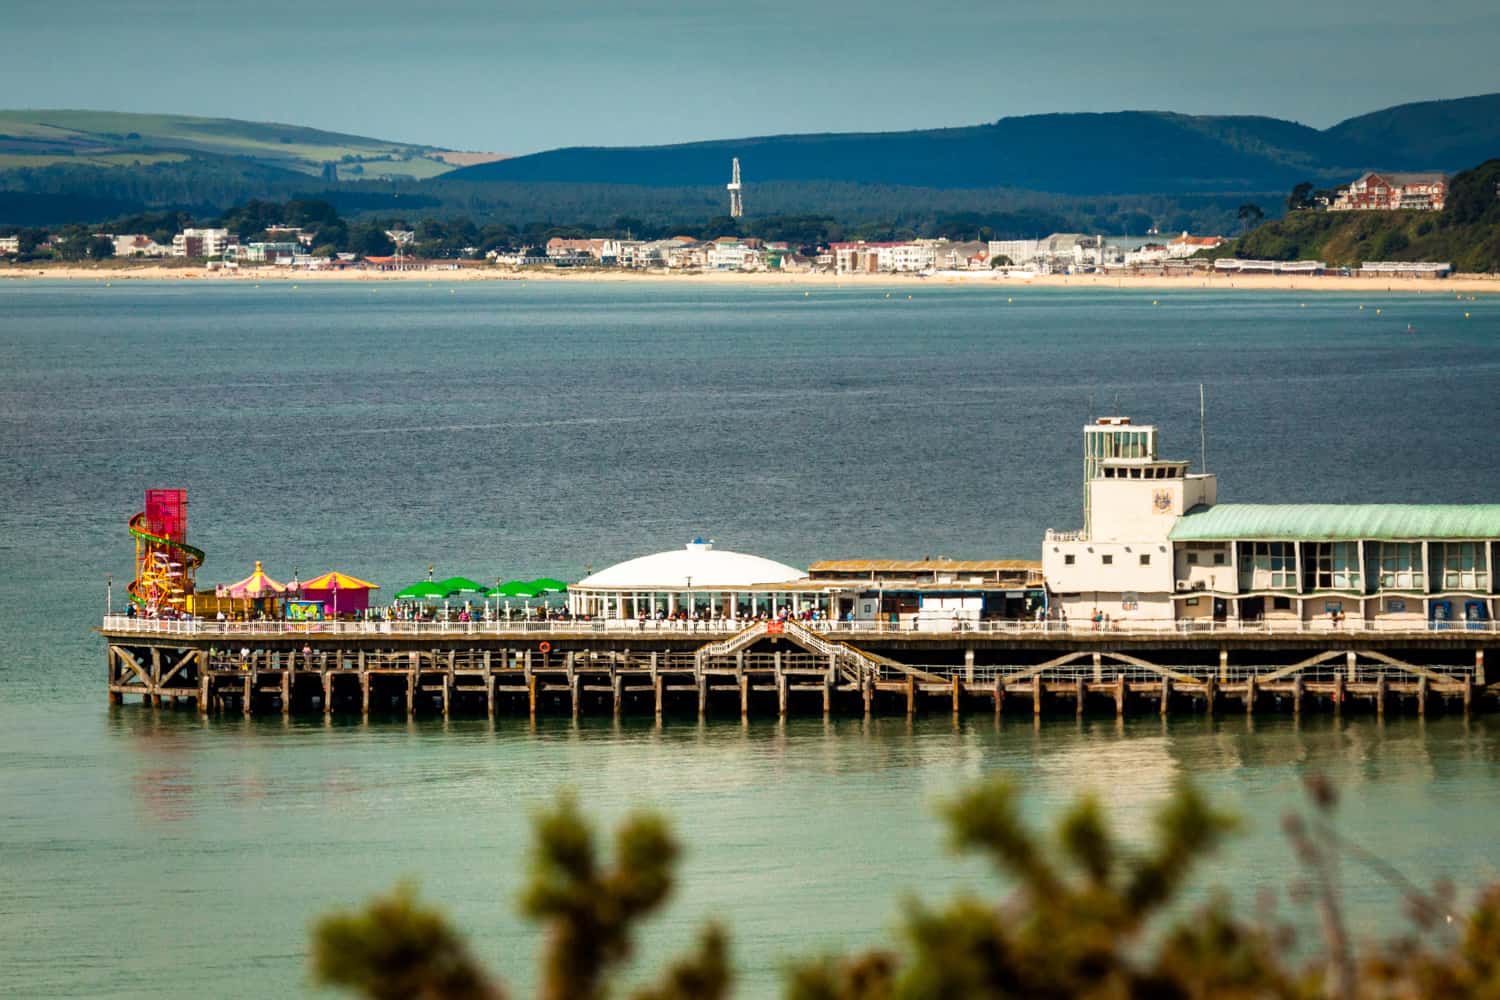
<point x="1084" y="915"/>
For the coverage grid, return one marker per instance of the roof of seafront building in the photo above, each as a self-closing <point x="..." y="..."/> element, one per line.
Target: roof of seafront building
<point x="696" y="566"/>
<point x="915" y="567"/>
<point x="1338" y="522"/>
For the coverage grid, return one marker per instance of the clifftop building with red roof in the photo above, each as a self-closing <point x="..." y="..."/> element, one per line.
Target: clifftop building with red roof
<point x="1422" y="192"/>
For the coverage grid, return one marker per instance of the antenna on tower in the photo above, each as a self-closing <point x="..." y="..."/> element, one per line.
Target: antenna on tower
<point x="736" y="205"/>
<point x="1202" y="430"/>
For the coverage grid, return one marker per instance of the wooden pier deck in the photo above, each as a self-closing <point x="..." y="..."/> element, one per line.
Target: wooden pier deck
<point x="776" y="669"/>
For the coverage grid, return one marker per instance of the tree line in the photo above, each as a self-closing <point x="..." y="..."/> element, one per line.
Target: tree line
<point x="460" y="236"/>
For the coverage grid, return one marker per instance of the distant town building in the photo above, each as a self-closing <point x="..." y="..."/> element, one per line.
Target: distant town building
<point x="688" y="256"/>
<point x="1404" y="269"/>
<point x="10" y="244"/>
<point x="647" y="253"/>
<point x="138" y="245"/>
<point x="963" y="255"/>
<point x="1186" y="246"/>
<point x="730" y="254"/>
<point x="601" y="251"/>
<point x="1235" y="265"/>
<point x="1423" y="192"/>
<point x="1017" y="251"/>
<point x="282" y="234"/>
<point x="1058" y="253"/>
<point x="202" y="242"/>
<point x="269" y="253"/>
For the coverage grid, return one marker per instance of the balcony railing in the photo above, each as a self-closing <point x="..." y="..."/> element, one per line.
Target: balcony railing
<point x="725" y="627"/>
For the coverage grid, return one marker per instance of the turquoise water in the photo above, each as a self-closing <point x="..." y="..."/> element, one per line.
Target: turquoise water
<point x="515" y="431"/>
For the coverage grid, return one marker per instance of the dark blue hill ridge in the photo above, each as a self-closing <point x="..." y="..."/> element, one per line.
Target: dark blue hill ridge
<point x="1126" y="152"/>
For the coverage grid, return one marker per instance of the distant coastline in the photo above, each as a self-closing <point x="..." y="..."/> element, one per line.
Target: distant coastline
<point x="1455" y="285"/>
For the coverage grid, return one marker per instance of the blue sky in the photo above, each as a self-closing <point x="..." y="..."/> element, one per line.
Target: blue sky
<point x="519" y="77"/>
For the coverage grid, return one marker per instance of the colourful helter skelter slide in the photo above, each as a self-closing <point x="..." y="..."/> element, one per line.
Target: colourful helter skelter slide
<point x="164" y="561"/>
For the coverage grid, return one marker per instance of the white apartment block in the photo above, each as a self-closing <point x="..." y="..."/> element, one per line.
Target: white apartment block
<point x="202" y="242"/>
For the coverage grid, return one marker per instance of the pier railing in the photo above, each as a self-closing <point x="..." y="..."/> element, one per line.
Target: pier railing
<point x="727" y="627"/>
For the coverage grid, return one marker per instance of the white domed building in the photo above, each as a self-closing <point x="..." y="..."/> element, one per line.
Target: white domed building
<point x="697" y="579"/>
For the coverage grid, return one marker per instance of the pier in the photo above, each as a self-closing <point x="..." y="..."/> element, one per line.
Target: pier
<point x="781" y="668"/>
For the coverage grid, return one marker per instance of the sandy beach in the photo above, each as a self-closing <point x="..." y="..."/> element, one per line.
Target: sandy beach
<point x="120" y="271"/>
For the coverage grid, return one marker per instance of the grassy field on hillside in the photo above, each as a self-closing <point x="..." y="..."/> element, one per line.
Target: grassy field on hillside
<point x="44" y="138"/>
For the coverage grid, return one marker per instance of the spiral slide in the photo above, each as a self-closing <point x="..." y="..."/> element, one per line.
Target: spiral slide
<point x="163" y="568"/>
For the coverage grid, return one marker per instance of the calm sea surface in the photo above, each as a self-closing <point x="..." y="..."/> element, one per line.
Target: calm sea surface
<point x="518" y="430"/>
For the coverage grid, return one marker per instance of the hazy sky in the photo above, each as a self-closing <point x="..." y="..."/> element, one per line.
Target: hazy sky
<point x="518" y="77"/>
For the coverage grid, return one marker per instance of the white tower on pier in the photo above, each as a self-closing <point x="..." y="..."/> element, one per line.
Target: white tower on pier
<point x="736" y="206"/>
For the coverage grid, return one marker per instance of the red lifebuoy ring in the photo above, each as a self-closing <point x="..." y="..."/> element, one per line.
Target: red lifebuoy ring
<point x="544" y="646"/>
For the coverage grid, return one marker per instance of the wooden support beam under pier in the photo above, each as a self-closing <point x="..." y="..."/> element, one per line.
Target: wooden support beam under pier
<point x="459" y="675"/>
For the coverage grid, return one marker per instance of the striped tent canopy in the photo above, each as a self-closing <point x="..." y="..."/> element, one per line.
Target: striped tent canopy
<point x="334" y="580"/>
<point x="255" y="586"/>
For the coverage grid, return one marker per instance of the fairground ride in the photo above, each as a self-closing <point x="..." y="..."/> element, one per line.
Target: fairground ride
<point x="164" y="561"/>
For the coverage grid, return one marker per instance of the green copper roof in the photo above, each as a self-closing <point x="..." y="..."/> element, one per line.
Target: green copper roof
<point x="1328" y="521"/>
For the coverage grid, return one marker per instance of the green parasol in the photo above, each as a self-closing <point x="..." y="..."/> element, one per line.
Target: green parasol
<point x="424" y="591"/>
<point x="456" y="585"/>
<point x="548" y="585"/>
<point x="515" y="588"/>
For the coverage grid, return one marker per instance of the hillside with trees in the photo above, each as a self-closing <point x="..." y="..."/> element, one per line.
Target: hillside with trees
<point x="1466" y="233"/>
<point x="1121" y="173"/>
<point x="1121" y="153"/>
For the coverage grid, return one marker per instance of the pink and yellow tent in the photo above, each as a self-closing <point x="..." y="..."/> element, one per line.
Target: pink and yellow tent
<point x="255" y="586"/>
<point x="340" y="593"/>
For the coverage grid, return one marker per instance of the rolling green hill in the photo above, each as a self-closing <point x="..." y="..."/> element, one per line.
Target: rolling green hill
<point x="1429" y="135"/>
<point x="1120" y="153"/>
<point x="36" y="139"/>
<point x="1466" y="233"/>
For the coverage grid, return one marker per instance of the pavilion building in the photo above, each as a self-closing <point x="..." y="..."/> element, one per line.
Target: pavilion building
<point x="697" y="579"/>
<point x="1158" y="546"/>
<point x="703" y="581"/>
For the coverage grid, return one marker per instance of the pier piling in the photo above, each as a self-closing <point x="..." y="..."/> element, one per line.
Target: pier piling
<point x="179" y="667"/>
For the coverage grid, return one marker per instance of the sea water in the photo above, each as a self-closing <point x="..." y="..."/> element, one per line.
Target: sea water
<point x="507" y="430"/>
